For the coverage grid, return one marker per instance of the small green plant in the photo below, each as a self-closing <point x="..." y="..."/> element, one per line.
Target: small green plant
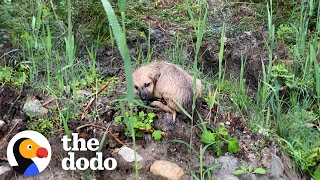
<point x="218" y="138"/>
<point x="249" y="170"/>
<point x="140" y="121"/>
<point x="43" y="126"/>
<point x="286" y="33"/>
<point x="17" y="77"/>
<point x="317" y="173"/>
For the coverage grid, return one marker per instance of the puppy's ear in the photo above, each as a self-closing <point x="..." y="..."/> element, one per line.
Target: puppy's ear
<point x="155" y="76"/>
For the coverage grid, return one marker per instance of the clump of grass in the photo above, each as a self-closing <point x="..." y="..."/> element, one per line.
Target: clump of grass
<point x="288" y="96"/>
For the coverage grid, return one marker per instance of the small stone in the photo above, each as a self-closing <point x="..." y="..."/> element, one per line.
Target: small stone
<point x="249" y="176"/>
<point x="5" y="172"/>
<point x="34" y="108"/>
<point x="266" y="157"/>
<point x="276" y="166"/>
<point x="2" y="123"/>
<point x="166" y="169"/>
<point x="83" y="93"/>
<point x="229" y="177"/>
<point x="128" y="154"/>
<point x="228" y="165"/>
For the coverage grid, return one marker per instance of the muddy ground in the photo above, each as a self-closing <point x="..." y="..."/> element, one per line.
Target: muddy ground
<point x="255" y="148"/>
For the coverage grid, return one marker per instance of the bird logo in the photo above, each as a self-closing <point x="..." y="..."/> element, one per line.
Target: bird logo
<point x="29" y="153"/>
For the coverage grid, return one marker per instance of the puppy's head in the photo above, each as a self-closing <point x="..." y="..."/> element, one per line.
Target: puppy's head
<point x="145" y="79"/>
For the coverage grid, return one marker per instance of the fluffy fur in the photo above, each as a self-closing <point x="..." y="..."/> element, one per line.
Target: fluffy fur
<point x="167" y="82"/>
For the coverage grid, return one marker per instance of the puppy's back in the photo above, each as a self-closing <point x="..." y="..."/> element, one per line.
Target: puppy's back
<point x="175" y="84"/>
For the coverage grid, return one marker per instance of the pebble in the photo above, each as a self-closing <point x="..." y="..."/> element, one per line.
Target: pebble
<point x="34" y="108"/>
<point x="83" y="93"/>
<point x="5" y="172"/>
<point x="166" y="169"/>
<point x="128" y="154"/>
<point x="2" y="123"/>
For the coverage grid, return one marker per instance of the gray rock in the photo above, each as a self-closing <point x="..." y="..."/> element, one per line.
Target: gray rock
<point x="228" y="177"/>
<point x="229" y="164"/>
<point x="16" y="120"/>
<point x="248" y="176"/>
<point x="6" y="37"/>
<point x="290" y="170"/>
<point x="2" y="123"/>
<point x="266" y="158"/>
<point x="83" y="93"/>
<point x="34" y="108"/>
<point x="166" y="169"/>
<point x="128" y="154"/>
<point x="6" y="172"/>
<point x="272" y="162"/>
<point x="276" y="166"/>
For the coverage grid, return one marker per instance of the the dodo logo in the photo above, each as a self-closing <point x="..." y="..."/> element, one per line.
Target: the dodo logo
<point x="29" y="153"/>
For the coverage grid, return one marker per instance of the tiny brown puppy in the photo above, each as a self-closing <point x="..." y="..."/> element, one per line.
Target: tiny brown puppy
<point x="168" y="82"/>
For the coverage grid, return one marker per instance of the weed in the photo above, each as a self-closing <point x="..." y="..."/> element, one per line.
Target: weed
<point x="139" y="121"/>
<point x="43" y="126"/>
<point x="217" y="138"/>
<point x="249" y="170"/>
<point x="17" y="77"/>
<point x="288" y="95"/>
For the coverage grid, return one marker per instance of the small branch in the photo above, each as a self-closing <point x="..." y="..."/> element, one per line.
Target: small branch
<point x="85" y="110"/>
<point x="101" y="127"/>
<point x="48" y="102"/>
<point x="165" y="134"/>
<point x="103" y="87"/>
<point x="93" y="125"/>
<point x="9" y="133"/>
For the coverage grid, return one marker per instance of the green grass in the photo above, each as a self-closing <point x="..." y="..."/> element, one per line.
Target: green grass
<point x="288" y="97"/>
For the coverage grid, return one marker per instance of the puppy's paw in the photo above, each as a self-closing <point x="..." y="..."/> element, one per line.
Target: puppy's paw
<point x="156" y="103"/>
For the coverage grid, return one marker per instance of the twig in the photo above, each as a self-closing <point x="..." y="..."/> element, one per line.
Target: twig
<point x="101" y="127"/>
<point x="116" y="138"/>
<point x="165" y="134"/>
<point x="9" y="133"/>
<point x="85" y="110"/>
<point x="48" y="102"/>
<point x="93" y="125"/>
<point x="103" y="87"/>
<point x="6" y="53"/>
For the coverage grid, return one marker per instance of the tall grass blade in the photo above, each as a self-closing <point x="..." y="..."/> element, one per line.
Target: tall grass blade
<point x="122" y="46"/>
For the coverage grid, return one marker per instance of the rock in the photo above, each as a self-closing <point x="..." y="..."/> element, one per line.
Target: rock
<point x="266" y="157"/>
<point x="276" y="166"/>
<point x="6" y="37"/>
<point x="34" y="108"/>
<point x="2" y="123"/>
<point x="229" y="164"/>
<point x="228" y="177"/>
<point x="83" y="93"/>
<point x="248" y="176"/>
<point x="289" y="169"/>
<point x="6" y="172"/>
<point x="272" y="162"/>
<point x="166" y="169"/>
<point x="128" y="154"/>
